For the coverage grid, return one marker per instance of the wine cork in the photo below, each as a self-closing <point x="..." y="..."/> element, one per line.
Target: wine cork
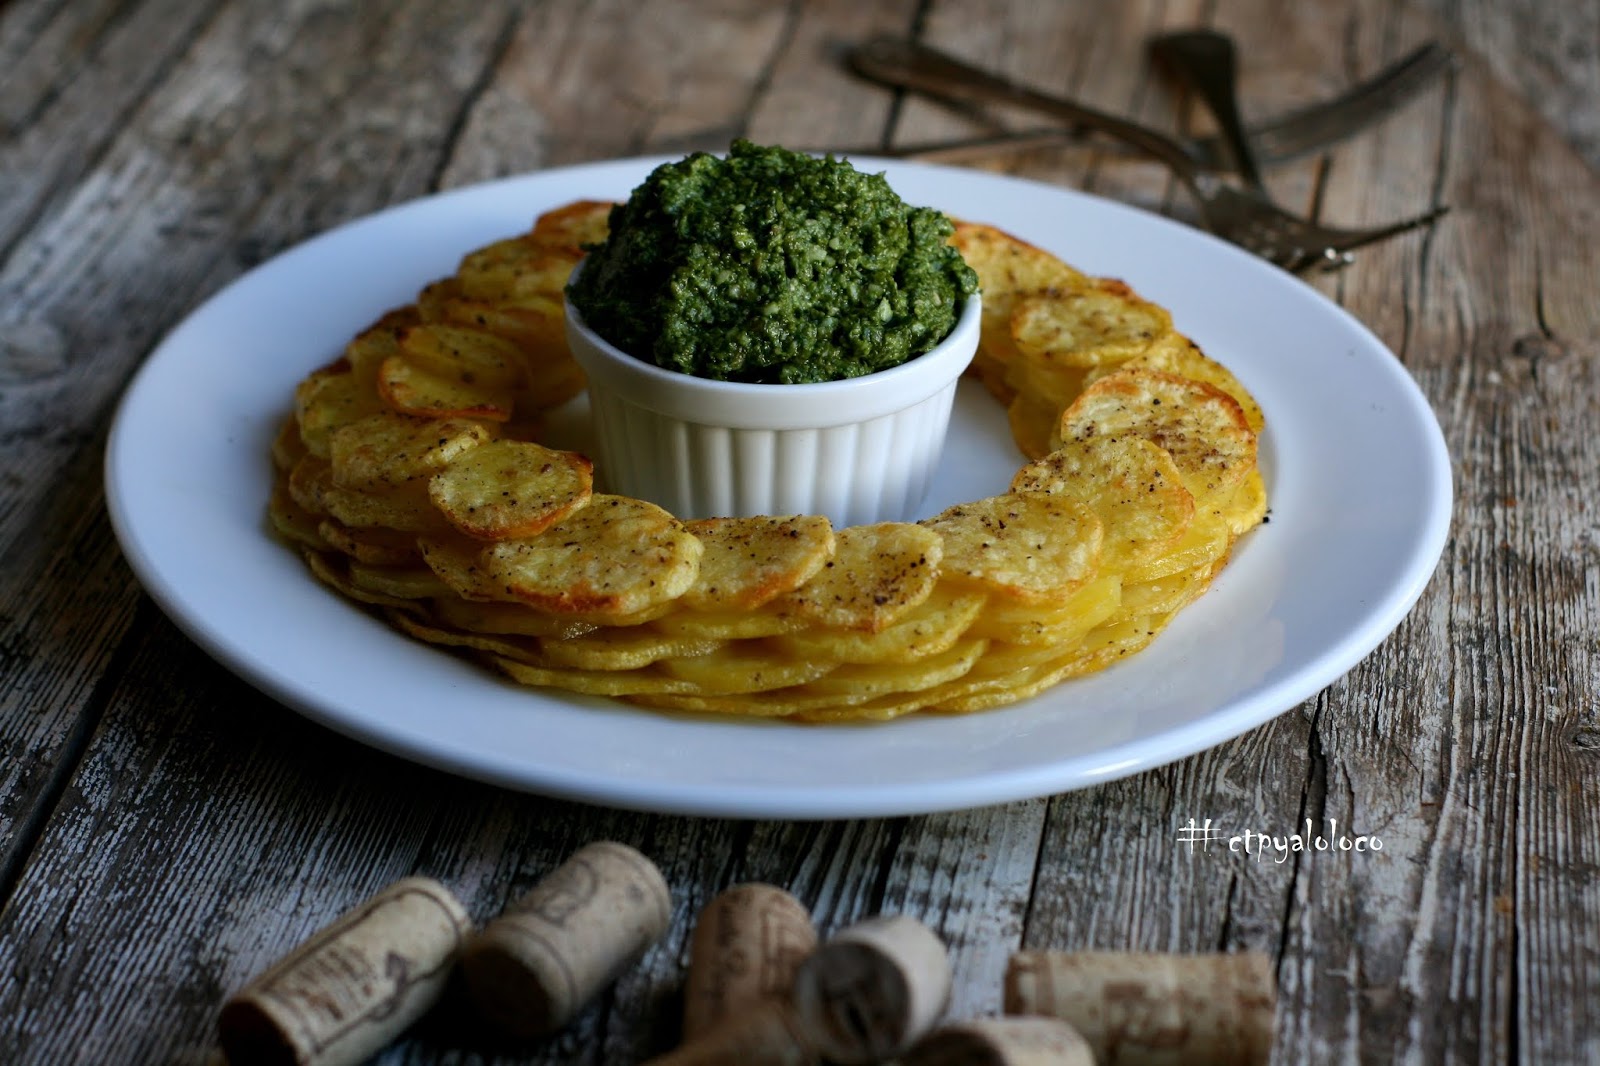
<point x="351" y="988"/>
<point x="747" y="944"/>
<point x="769" y="1033"/>
<point x="1155" y="1009"/>
<point x="873" y="990"/>
<point x="1003" y="1042"/>
<point x="533" y="968"/>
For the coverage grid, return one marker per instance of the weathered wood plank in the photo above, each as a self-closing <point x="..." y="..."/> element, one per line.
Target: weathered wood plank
<point x="130" y="249"/>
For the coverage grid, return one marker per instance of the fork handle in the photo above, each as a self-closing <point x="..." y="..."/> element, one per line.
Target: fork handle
<point x="909" y="65"/>
<point x="1205" y="61"/>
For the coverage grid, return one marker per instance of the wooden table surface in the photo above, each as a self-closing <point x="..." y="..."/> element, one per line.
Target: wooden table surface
<point x="166" y="831"/>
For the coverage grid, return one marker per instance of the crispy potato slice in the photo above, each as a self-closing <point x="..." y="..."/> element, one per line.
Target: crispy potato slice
<point x="1131" y="483"/>
<point x="877" y="574"/>
<point x="458" y="562"/>
<point x="1100" y="323"/>
<point x="379" y="341"/>
<point x="574" y="225"/>
<point x="1007" y="268"/>
<point x="462" y="353"/>
<point x="748" y="562"/>
<point x="1177" y="354"/>
<point x="932" y="627"/>
<point x="624" y="683"/>
<point x="524" y="650"/>
<point x="373" y="545"/>
<point x="511" y="488"/>
<point x="728" y="625"/>
<point x="1199" y="425"/>
<point x="619" y="648"/>
<point x="293" y="522"/>
<point x="1026" y="546"/>
<point x="1248" y="506"/>
<point x="410" y="389"/>
<point x="401" y="582"/>
<point x="742" y="667"/>
<point x="331" y="398"/>
<point x="882" y="678"/>
<point x="1208" y="539"/>
<point x="618" y="556"/>
<point x="1033" y="420"/>
<point x="405" y="509"/>
<point x="532" y="271"/>
<point x="330" y="570"/>
<point x="308" y="482"/>
<point x="287" y="447"/>
<point x="991" y="374"/>
<point x="506" y="619"/>
<point x="1169" y="594"/>
<point x="388" y="450"/>
<point x="1023" y="625"/>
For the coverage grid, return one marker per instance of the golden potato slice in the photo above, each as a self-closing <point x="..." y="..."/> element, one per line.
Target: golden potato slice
<point x="991" y="373"/>
<point x="1132" y="484"/>
<point x="373" y="545"/>
<point x="1022" y="625"/>
<point x="308" y="482"/>
<point x="728" y="625"/>
<point x="881" y="678"/>
<point x="330" y="570"/>
<point x="1177" y="354"/>
<point x="1207" y="540"/>
<point x="461" y="353"/>
<point x="1021" y="546"/>
<point x="574" y="225"/>
<point x="293" y="522"/>
<point x="740" y="668"/>
<point x="331" y="398"/>
<point x="1100" y="323"/>
<point x="379" y="341"/>
<point x="405" y="509"/>
<point x="1248" y="506"/>
<point x="748" y="562"/>
<point x="618" y="556"/>
<point x="388" y="450"/>
<point x="525" y="650"/>
<point x="458" y="562"/>
<point x="1033" y="420"/>
<point x="511" y="488"/>
<point x="401" y="582"/>
<point x="625" y="683"/>
<point x="1169" y="594"/>
<point x="623" y="648"/>
<point x="877" y="574"/>
<point x="411" y="389"/>
<point x="1199" y="425"/>
<point x="932" y="627"/>
<point x="1007" y="268"/>
<point x="531" y="271"/>
<point x="287" y="447"/>
<point x="507" y="619"/>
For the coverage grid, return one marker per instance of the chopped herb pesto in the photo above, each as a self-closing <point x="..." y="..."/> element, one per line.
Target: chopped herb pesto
<point x="772" y="266"/>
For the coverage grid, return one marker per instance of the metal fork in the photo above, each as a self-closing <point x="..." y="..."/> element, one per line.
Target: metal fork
<point x="1277" y="139"/>
<point x="1242" y="216"/>
<point x="1206" y="62"/>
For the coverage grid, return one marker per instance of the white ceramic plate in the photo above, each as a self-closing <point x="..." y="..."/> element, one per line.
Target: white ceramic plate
<point x="1355" y="463"/>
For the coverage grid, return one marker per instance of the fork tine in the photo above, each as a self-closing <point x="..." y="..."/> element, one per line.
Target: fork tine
<point x="1350" y="240"/>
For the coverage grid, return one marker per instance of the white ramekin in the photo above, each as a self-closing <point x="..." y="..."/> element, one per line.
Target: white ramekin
<point x="859" y="450"/>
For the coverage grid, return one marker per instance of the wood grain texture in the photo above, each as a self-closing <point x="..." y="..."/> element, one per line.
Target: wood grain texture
<point x="165" y="832"/>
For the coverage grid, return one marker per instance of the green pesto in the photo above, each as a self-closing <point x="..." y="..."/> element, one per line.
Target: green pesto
<point x="772" y="266"/>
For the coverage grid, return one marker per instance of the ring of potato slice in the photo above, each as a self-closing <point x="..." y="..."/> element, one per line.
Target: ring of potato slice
<point x="411" y="476"/>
